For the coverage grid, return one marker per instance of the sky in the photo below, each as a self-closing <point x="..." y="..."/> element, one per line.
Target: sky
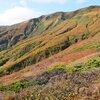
<point x="15" y="11"/>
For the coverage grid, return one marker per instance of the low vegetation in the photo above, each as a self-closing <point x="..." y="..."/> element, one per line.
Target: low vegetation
<point x="66" y="91"/>
<point x="53" y="74"/>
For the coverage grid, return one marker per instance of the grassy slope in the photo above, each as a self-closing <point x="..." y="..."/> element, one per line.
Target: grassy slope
<point x="32" y="50"/>
<point x="69" y="55"/>
<point x="75" y="80"/>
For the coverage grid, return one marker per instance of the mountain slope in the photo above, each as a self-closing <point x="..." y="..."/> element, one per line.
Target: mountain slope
<point x="77" y="67"/>
<point x="60" y="31"/>
<point x="53" y="57"/>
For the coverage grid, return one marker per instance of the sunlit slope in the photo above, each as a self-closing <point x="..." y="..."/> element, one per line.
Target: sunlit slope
<point x="46" y="36"/>
<point x="72" y="70"/>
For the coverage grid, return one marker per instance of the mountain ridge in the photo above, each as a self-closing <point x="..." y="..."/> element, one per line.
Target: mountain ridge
<point x="32" y="24"/>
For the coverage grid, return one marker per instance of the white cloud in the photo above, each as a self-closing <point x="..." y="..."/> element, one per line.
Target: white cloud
<point x="17" y="14"/>
<point x="81" y="1"/>
<point x="21" y="13"/>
